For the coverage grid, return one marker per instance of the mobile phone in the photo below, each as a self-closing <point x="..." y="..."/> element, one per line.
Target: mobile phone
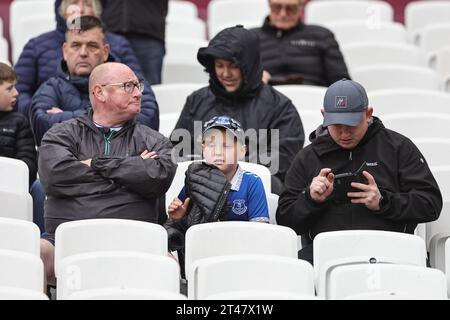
<point x="343" y="181"/>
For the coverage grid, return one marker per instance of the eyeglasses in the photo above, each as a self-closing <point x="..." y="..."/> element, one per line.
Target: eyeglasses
<point x="290" y="9"/>
<point x="128" y="86"/>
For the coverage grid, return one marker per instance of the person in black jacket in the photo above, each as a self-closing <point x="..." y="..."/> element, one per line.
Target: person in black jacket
<point x="393" y="189"/>
<point x="104" y="164"/>
<point x="295" y="53"/>
<point x="235" y="89"/>
<point x="143" y="23"/>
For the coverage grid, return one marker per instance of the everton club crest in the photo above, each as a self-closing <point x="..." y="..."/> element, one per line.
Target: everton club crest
<point x="239" y="207"/>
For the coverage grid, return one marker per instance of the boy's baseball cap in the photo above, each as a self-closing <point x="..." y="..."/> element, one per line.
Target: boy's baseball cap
<point x="228" y="123"/>
<point x="345" y="103"/>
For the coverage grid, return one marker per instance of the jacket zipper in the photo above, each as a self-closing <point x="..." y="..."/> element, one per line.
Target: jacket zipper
<point x="350" y="158"/>
<point x="107" y="140"/>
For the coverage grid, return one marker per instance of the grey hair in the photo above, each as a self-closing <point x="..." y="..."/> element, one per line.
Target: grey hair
<point x="96" y="7"/>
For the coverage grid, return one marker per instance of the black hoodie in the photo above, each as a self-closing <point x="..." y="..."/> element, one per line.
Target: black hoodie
<point x="410" y="192"/>
<point x="255" y="105"/>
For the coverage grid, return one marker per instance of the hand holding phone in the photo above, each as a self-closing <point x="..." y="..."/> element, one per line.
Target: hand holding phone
<point x="321" y="186"/>
<point x="367" y="193"/>
<point x="343" y="181"/>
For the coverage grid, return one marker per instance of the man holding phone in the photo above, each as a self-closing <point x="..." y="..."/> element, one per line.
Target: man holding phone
<point x="394" y="190"/>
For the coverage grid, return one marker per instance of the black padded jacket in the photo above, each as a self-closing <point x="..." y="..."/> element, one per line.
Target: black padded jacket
<point x="306" y="50"/>
<point x="208" y="189"/>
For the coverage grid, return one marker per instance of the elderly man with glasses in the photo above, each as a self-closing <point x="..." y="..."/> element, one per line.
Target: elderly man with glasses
<point x="295" y="53"/>
<point x="66" y="95"/>
<point x="104" y="164"/>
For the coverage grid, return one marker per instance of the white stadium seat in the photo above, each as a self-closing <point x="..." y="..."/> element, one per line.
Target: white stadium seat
<point x="17" y="235"/>
<point x="420" y="14"/>
<point x="189" y="29"/>
<point x="372" y="12"/>
<point x="117" y="270"/>
<point x="182" y="70"/>
<point x="245" y="272"/>
<point x="21" y="270"/>
<point x="8" y="293"/>
<point x="432" y="125"/>
<point x="15" y="200"/>
<point x="83" y="236"/>
<point x="304" y="97"/>
<point x="232" y="12"/>
<point x="388" y="101"/>
<point x="125" y="294"/>
<point x="233" y="238"/>
<point x="385" y="76"/>
<point x="343" y="247"/>
<point x="185" y="10"/>
<point x="368" y="53"/>
<point x="29" y="19"/>
<point x="349" y="32"/>
<point x="172" y="97"/>
<point x="181" y="48"/>
<point x="419" y="283"/>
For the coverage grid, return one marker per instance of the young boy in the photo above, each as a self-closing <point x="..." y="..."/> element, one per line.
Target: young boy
<point x="223" y="146"/>
<point x="16" y="138"/>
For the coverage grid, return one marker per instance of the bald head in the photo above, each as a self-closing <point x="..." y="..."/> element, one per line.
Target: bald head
<point x="115" y="93"/>
<point x="105" y="73"/>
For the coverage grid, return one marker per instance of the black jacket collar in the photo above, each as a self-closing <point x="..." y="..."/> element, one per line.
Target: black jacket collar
<point x="323" y="143"/>
<point x="88" y="121"/>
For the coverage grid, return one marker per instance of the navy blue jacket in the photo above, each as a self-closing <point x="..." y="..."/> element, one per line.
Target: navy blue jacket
<point x="40" y="58"/>
<point x="71" y="94"/>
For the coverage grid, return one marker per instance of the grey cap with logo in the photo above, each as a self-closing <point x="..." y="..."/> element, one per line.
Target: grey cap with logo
<point x="345" y="103"/>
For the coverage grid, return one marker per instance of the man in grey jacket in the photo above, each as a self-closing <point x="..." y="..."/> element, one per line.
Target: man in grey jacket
<point x="104" y="164"/>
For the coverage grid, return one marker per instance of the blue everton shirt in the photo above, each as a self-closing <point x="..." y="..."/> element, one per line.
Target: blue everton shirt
<point x="246" y="197"/>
